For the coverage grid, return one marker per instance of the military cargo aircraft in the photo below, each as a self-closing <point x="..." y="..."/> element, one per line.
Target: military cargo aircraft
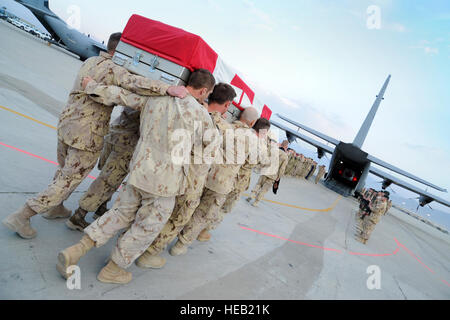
<point x="70" y="38"/>
<point x="349" y="165"/>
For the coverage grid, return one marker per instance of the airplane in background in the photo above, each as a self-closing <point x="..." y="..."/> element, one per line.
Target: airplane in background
<point x="73" y="40"/>
<point x="349" y="165"/>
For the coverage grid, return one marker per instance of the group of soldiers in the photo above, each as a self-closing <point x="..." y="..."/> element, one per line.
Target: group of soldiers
<point x="163" y="198"/>
<point x="372" y="206"/>
<point x="300" y="166"/>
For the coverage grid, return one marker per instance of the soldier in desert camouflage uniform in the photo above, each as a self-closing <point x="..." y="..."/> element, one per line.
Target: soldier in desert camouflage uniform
<point x="265" y="182"/>
<point x="243" y="182"/>
<point x="114" y="165"/>
<point x="82" y="125"/>
<point x="377" y="209"/>
<point x="291" y="164"/>
<point x="311" y="170"/>
<point x="261" y="128"/>
<point x="298" y="166"/>
<point x="220" y="182"/>
<point x="157" y="174"/>
<point x="218" y="103"/>
<point x="320" y="174"/>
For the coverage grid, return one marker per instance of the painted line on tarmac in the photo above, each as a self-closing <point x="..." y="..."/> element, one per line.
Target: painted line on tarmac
<point x="297" y="242"/>
<point x="301" y="208"/>
<point x="35" y="156"/>
<point x="397" y="250"/>
<point x="28" y="117"/>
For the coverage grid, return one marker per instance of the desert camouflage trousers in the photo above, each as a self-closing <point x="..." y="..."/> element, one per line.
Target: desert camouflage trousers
<point x="114" y="164"/>
<point x="262" y="187"/>
<point x="207" y="214"/>
<point x="230" y="202"/>
<point x="319" y="176"/>
<point x="185" y="206"/>
<point x="74" y="166"/>
<point x="367" y="225"/>
<point x="242" y="184"/>
<point x="143" y="215"/>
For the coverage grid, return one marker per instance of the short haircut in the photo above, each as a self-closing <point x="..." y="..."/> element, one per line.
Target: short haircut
<point x="250" y="114"/>
<point x="201" y="78"/>
<point x="114" y="41"/>
<point x="262" y="124"/>
<point x="222" y="93"/>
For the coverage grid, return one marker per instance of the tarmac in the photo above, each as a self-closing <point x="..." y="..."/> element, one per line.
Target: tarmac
<point x="298" y="244"/>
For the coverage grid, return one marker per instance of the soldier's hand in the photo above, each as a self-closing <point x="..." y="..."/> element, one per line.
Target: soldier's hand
<point x="177" y="91"/>
<point x="85" y="82"/>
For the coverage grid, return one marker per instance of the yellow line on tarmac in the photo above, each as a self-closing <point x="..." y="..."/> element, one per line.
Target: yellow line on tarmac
<point x="29" y="118"/>
<point x="302" y="208"/>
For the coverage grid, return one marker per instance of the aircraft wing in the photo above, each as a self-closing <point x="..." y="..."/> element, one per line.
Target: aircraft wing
<point x="407" y="186"/>
<point x="312" y="131"/>
<point x="99" y="45"/>
<point x="402" y="172"/>
<point x="317" y="144"/>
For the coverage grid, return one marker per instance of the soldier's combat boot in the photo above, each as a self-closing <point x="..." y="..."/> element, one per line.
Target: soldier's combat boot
<point x="112" y="273"/>
<point x="77" y="222"/>
<point x="100" y="211"/>
<point x="178" y="249"/>
<point x="19" y="222"/>
<point x="148" y="260"/>
<point x="249" y="199"/>
<point x="57" y="212"/>
<point x="204" y="236"/>
<point x="255" y="204"/>
<point x="70" y="256"/>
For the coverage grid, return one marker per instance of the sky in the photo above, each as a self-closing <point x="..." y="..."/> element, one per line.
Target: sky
<point x="318" y="62"/>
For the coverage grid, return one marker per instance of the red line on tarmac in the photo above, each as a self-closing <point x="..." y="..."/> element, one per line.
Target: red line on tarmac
<point x="374" y="254"/>
<point x="35" y="156"/>
<point x="413" y="255"/>
<point x="302" y="243"/>
<point x="445" y="282"/>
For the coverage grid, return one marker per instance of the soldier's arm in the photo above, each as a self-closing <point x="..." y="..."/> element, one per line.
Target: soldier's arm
<point x="144" y="86"/>
<point x="113" y="95"/>
<point x="282" y="168"/>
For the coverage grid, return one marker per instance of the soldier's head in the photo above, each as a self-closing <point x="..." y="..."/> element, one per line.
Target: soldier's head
<point x="113" y="41"/>
<point x="201" y="84"/>
<point x="221" y="98"/>
<point x="386" y="194"/>
<point x="249" y="116"/>
<point x="262" y="126"/>
<point x="285" y="144"/>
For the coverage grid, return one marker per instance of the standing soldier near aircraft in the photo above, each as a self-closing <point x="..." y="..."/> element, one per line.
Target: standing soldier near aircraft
<point x="291" y="163"/>
<point x="321" y="173"/>
<point x="377" y="209"/>
<point x="82" y="125"/>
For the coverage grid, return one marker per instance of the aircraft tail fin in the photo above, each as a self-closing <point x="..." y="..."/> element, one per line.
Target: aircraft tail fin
<point x="364" y="130"/>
